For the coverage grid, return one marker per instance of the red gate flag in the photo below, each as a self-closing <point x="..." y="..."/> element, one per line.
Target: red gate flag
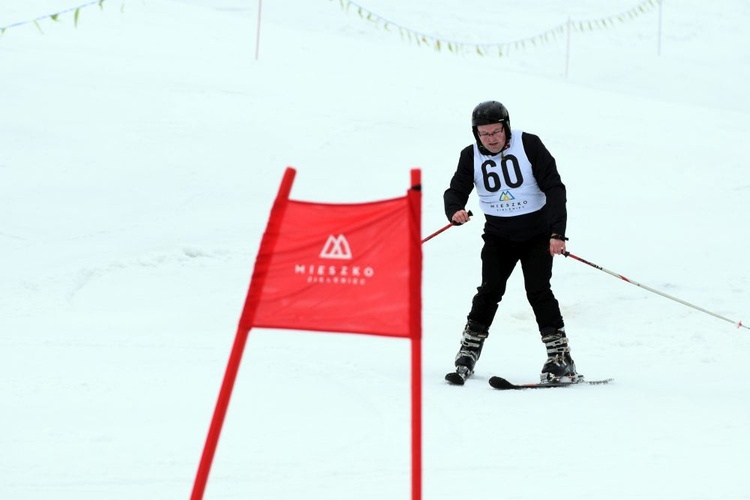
<point x="335" y="268"/>
<point x="353" y="268"/>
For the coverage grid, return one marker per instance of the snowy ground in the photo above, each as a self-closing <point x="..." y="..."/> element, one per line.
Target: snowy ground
<point x="139" y="157"/>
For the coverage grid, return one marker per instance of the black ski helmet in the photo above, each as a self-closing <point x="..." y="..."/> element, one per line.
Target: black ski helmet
<point x="488" y="112"/>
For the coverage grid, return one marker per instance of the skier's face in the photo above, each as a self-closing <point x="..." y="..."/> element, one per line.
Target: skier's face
<point x="492" y="137"/>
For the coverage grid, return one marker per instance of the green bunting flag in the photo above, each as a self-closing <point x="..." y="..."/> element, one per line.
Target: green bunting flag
<point x="55" y="17"/>
<point x="500" y="48"/>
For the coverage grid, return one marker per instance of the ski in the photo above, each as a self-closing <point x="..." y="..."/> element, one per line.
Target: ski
<point x="502" y="384"/>
<point x="459" y="376"/>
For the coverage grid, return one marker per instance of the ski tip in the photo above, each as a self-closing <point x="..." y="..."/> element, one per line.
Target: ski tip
<point x="454" y="378"/>
<point x="501" y="383"/>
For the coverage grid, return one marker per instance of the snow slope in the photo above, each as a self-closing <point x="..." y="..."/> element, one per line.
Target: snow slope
<point x="140" y="153"/>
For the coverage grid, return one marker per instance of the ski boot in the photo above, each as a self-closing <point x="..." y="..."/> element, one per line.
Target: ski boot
<point x="559" y="366"/>
<point x="472" y="341"/>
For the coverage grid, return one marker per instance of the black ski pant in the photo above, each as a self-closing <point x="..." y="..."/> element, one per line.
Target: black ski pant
<point x="499" y="258"/>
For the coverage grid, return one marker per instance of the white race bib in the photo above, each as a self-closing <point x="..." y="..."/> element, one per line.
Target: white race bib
<point x="505" y="183"/>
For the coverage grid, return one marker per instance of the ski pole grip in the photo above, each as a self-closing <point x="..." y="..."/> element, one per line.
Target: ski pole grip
<point x="461" y="223"/>
<point x="446" y="227"/>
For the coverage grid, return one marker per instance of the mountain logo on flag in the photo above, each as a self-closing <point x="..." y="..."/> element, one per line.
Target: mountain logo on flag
<point x="336" y="247"/>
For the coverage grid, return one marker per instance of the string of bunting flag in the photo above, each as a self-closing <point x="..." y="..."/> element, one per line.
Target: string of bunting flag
<point x="55" y="17"/>
<point x="499" y="48"/>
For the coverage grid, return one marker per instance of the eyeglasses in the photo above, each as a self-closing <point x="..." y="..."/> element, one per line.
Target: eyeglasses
<point x="491" y="134"/>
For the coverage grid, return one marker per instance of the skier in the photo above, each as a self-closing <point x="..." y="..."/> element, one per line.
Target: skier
<point x="523" y="200"/>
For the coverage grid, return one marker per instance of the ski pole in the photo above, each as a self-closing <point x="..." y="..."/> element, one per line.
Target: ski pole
<point x="447" y="226"/>
<point x="738" y="324"/>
